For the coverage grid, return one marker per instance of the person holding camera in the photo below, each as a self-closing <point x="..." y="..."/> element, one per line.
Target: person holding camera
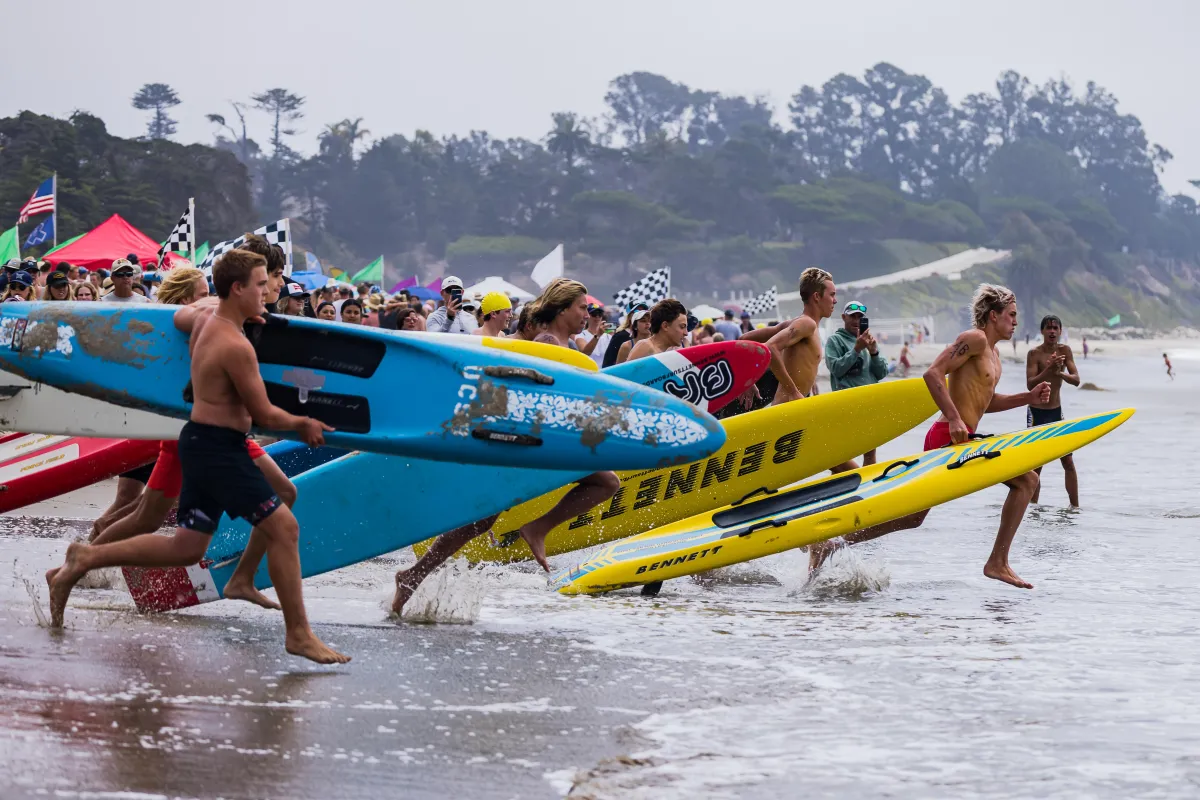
<point x="451" y="318"/>
<point x="852" y="355"/>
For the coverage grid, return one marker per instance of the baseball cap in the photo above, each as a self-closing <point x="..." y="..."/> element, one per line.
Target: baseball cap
<point x="293" y="290"/>
<point x="495" y="301"/>
<point x="132" y="258"/>
<point x="745" y="315"/>
<point x="122" y="266"/>
<point x="855" y="307"/>
<point x="595" y="310"/>
<point x="58" y="278"/>
<point x="638" y="315"/>
<point x="29" y="265"/>
<point x="451" y="280"/>
<point x="13" y="264"/>
<point x="21" y="278"/>
<point x="470" y="304"/>
<point x="729" y="313"/>
<point x="638" y="306"/>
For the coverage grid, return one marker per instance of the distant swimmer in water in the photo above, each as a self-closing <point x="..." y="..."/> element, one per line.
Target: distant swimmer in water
<point x="560" y="312"/>
<point x="1170" y="370"/>
<point x="218" y="474"/>
<point x="1052" y="362"/>
<point x="973" y="366"/>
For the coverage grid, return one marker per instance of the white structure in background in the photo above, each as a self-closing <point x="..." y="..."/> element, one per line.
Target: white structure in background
<point x="951" y="267"/>
<point x="548" y="268"/>
<point x="705" y="311"/>
<point x="494" y="283"/>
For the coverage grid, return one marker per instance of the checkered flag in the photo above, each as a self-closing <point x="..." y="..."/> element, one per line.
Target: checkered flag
<point x="767" y="301"/>
<point x="276" y="233"/>
<point x="650" y="289"/>
<point x="183" y="237"/>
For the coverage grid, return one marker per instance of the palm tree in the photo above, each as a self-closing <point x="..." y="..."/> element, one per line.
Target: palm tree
<point x="570" y="138"/>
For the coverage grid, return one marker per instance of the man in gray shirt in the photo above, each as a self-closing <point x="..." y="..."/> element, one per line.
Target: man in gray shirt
<point x="728" y="328"/>
<point x="451" y="318"/>
<point x="122" y="288"/>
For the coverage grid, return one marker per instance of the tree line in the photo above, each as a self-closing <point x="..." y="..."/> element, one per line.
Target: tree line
<point x="717" y="185"/>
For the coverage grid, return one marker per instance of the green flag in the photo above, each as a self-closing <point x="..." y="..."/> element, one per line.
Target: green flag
<point x="64" y="244"/>
<point x="371" y="273"/>
<point x="1115" y="321"/>
<point x="201" y="254"/>
<point x="9" y="248"/>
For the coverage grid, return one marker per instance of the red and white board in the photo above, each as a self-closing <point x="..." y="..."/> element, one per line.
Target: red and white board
<point x="36" y="467"/>
<point x="709" y="375"/>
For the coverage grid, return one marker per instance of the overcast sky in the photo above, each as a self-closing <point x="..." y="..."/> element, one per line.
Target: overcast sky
<point x="451" y="67"/>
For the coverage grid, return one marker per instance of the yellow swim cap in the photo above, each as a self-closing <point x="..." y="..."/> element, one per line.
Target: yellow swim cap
<point x="495" y="301"/>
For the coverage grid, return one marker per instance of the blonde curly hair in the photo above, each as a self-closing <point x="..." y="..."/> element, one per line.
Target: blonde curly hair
<point x="179" y="287"/>
<point x="988" y="298"/>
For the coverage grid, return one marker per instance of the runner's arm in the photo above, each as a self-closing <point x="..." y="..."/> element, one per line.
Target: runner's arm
<point x="763" y="335"/>
<point x="1071" y="373"/>
<point x="968" y="345"/>
<point x="623" y="353"/>
<point x="800" y="328"/>
<point x="241" y="365"/>
<point x="1005" y="402"/>
<point x="185" y="318"/>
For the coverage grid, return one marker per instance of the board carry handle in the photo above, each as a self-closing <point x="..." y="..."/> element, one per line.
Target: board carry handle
<point x="527" y="373"/>
<point x="763" y="490"/>
<point x="504" y="437"/>
<point x="887" y="473"/>
<point x="984" y="454"/>
<point x="980" y="436"/>
<point x="761" y="525"/>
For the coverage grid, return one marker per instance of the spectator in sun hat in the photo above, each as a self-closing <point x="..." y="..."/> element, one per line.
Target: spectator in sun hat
<point x="123" y="282"/>
<point x="20" y="286"/>
<point x="58" y="286"/>
<point x="496" y="310"/>
<point x="292" y="298"/>
<point x="451" y="318"/>
<point x="623" y="334"/>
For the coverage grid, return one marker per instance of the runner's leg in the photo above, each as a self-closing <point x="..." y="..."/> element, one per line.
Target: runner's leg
<point x="1020" y="490"/>
<point x="588" y="493"/>
<point x="1072" y="480"/>
<point x="147" y="516"/>
<point x="241" y="583"/>
<point x="445" y="546"/>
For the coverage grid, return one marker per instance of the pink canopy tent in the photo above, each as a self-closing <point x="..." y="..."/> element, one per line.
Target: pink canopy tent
<point x="436" y="286"/>
<point x="112" y="239"/>
<point x="405" y="284"/>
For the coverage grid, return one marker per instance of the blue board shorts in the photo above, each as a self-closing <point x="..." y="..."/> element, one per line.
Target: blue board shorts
<point x="219" y="476"/>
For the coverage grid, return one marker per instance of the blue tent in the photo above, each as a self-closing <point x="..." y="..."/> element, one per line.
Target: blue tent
<point x="310" y="279"/>
<point x="422" y="293"/>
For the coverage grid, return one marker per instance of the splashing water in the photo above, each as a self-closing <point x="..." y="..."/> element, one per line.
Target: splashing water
<point x="453" y="594"/>
<point x="42" y="620"/>
<point x="846" y="574"/>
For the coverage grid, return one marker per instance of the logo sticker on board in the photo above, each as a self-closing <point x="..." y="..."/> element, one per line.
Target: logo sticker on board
<point x="305" y="381"/>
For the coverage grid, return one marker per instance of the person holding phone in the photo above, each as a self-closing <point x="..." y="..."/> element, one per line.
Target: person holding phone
<point x="852" y="356"/>
<point x="450" y="318"/>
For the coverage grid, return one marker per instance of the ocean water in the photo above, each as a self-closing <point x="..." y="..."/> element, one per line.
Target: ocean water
<point x="900" y="671"/>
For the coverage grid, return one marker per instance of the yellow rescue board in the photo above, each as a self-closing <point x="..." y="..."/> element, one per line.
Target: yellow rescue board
<point x="550" y="352"/>
<point x="764" y="450"/>
<point x="821" y="509"/>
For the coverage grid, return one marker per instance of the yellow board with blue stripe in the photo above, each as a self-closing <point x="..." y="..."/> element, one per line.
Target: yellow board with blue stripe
<point x="550" y="352"/>
<point x="764" y="450"/>
<point x="823" y="509"/>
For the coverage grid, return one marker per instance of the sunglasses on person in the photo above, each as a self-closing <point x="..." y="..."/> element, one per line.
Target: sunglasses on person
<point x="855" y="308"/>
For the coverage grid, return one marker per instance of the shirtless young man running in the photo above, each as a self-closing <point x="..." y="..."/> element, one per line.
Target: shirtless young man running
<point x="562" y="310"/>
<point x="668" y="329"/>
<point x="973" y="366"/>
<point x="1052" y="362"/>
<point x="796" y="351"/>
<point x="218" y="474"/>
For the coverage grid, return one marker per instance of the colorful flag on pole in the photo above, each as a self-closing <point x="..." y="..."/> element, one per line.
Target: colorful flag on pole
<point x="276" y="233"/>
<point x="201" y="253"/>
<point x="43" y="233"/>
<point x="1115" y="321"/>
<point x="371" y="273"/>
<point x="183" y="236"/>
<point x="314" y="263"/>
<point x="9" y="245"/>
<point x="42" y="202"/>
<point x="548" y="268"/>
<point x="650" y="289"/>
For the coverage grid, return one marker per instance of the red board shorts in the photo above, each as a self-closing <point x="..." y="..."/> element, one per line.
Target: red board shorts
<point x="167" y="476"/>
<point x="939" y="435"/>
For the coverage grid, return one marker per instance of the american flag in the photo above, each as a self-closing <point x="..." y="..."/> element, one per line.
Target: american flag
<point x="42" y="202"/>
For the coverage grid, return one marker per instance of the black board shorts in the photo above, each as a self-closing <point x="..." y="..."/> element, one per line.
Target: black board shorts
<point x="220" y="477"/>
<point x="1043" y="416"/>
<point x="141" y="474"/>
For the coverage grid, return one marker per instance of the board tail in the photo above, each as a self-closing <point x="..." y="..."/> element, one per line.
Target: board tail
<point x="155" y="589"/>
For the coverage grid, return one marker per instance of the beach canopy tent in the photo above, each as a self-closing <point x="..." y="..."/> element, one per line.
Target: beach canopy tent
<point x="405" y="284"/>
<point x="112" y="239"/>
<point x="422" y="293"/>
<point x="497" y="284"/>
<point x="310" y="279"/>
<point x="705" y="311"/>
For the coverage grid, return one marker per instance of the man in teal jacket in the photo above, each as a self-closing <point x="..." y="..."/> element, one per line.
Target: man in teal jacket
<point x="853" y="358"/>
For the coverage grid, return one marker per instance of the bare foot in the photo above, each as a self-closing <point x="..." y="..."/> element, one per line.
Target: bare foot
<point x="62" y="580"/>
<point x="404" y="592"/>
<point x="536" y="539"/>
<point x="307" y="645"/>
<point x="239" y="590"/>
<point x="819" y="553"/>
<point x="1004" y="573"/>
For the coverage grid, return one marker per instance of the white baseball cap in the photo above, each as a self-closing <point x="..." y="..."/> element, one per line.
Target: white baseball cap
<point x="451" y="280"/>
